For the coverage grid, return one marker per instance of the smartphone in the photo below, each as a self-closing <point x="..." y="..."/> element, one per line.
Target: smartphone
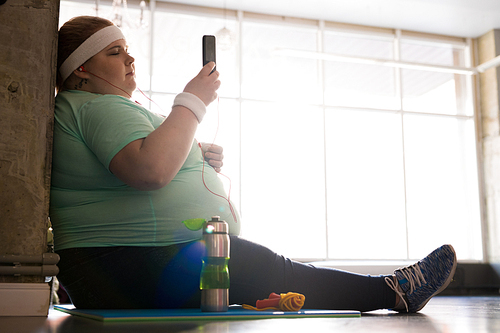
<point x="208" y="49"/>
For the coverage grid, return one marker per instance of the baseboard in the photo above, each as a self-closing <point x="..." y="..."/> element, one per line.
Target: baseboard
<point x="24" y="299"/>
<point x="474" y="279"/>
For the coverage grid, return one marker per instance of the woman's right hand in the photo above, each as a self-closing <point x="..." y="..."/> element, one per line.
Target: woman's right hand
<point x="205" y="85"/>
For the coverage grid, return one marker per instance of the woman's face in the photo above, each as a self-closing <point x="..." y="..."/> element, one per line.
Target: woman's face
<point x="112" y="70"/>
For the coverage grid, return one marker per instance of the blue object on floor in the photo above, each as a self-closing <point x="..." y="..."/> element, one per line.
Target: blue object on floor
<point x="234" y="313"/>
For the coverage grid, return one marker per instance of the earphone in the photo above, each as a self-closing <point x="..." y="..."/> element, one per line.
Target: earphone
<point x="81" y="69"/>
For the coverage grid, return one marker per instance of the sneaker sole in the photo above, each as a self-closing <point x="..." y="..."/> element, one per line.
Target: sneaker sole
<point x="446" y="283"/>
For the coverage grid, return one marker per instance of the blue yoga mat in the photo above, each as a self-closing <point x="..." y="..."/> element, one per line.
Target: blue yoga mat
<point x="234" y="313"/>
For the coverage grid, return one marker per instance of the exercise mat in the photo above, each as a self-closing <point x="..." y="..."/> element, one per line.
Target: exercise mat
<point x="235" y="312"/>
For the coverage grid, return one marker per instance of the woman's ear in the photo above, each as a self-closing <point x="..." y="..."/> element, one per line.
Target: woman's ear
<point x="81" y="73"/>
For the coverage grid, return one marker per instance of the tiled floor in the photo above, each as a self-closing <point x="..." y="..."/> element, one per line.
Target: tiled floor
<point x="442" y="314"/>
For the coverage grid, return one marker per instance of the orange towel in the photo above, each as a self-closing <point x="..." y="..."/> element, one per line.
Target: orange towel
<point x="284" y="302"/>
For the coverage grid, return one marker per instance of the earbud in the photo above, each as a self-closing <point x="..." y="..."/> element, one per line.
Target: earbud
<point x="81" y="69"/>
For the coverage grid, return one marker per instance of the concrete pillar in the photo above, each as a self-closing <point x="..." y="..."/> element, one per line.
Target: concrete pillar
<point x="489" y="81"/>
<point x="28" y="44"/>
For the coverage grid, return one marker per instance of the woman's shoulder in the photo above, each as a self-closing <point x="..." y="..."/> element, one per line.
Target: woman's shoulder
<point x="76" y="101"/>
<point x="82" y="105"/>
<point x="84" y="97"/>
<point x="72" y="101"/>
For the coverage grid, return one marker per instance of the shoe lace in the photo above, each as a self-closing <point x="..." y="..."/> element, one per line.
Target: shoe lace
<point x="413" y="275"/>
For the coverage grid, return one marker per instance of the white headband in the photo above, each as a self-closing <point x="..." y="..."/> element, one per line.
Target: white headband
<point x="89" y="48"/>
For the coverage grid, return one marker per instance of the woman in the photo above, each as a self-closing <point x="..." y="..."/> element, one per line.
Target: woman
<point x="124" y="178"/>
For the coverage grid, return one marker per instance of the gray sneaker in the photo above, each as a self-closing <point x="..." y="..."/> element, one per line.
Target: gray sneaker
<point x="418" y="283"/>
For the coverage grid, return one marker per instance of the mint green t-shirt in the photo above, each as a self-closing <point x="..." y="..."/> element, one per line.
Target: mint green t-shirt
<point x="90" y="207"/>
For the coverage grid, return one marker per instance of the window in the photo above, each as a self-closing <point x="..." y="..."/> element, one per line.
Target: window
<point x="352" y="157"/>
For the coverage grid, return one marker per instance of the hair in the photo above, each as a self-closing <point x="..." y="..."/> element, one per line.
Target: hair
<point x="73" y="33"/>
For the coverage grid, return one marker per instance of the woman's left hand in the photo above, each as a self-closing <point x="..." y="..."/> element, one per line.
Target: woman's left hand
<point x="213" y="155"/>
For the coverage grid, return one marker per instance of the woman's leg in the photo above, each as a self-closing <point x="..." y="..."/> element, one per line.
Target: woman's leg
<point x="255" y="272"/>
<point x="168" y="277"/>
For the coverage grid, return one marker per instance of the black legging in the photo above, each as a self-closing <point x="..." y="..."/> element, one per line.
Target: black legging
<point x="168" y="277"/>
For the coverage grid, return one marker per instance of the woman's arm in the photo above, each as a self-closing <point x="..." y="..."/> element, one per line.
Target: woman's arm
<point x="151" y="163"/>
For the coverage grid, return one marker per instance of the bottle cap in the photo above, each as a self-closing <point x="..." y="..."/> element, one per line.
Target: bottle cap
<point x="215" y="226"/>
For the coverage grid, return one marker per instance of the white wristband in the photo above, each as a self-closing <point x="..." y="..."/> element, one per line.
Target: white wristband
<point x="193" y="103"/>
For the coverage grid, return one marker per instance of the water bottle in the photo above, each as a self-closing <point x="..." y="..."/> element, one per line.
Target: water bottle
<point x="214" y="279"/>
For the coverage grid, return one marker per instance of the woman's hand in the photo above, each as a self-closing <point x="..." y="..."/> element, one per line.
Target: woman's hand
<point x="204" y="85"/>
<point x="213" y="155"/>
